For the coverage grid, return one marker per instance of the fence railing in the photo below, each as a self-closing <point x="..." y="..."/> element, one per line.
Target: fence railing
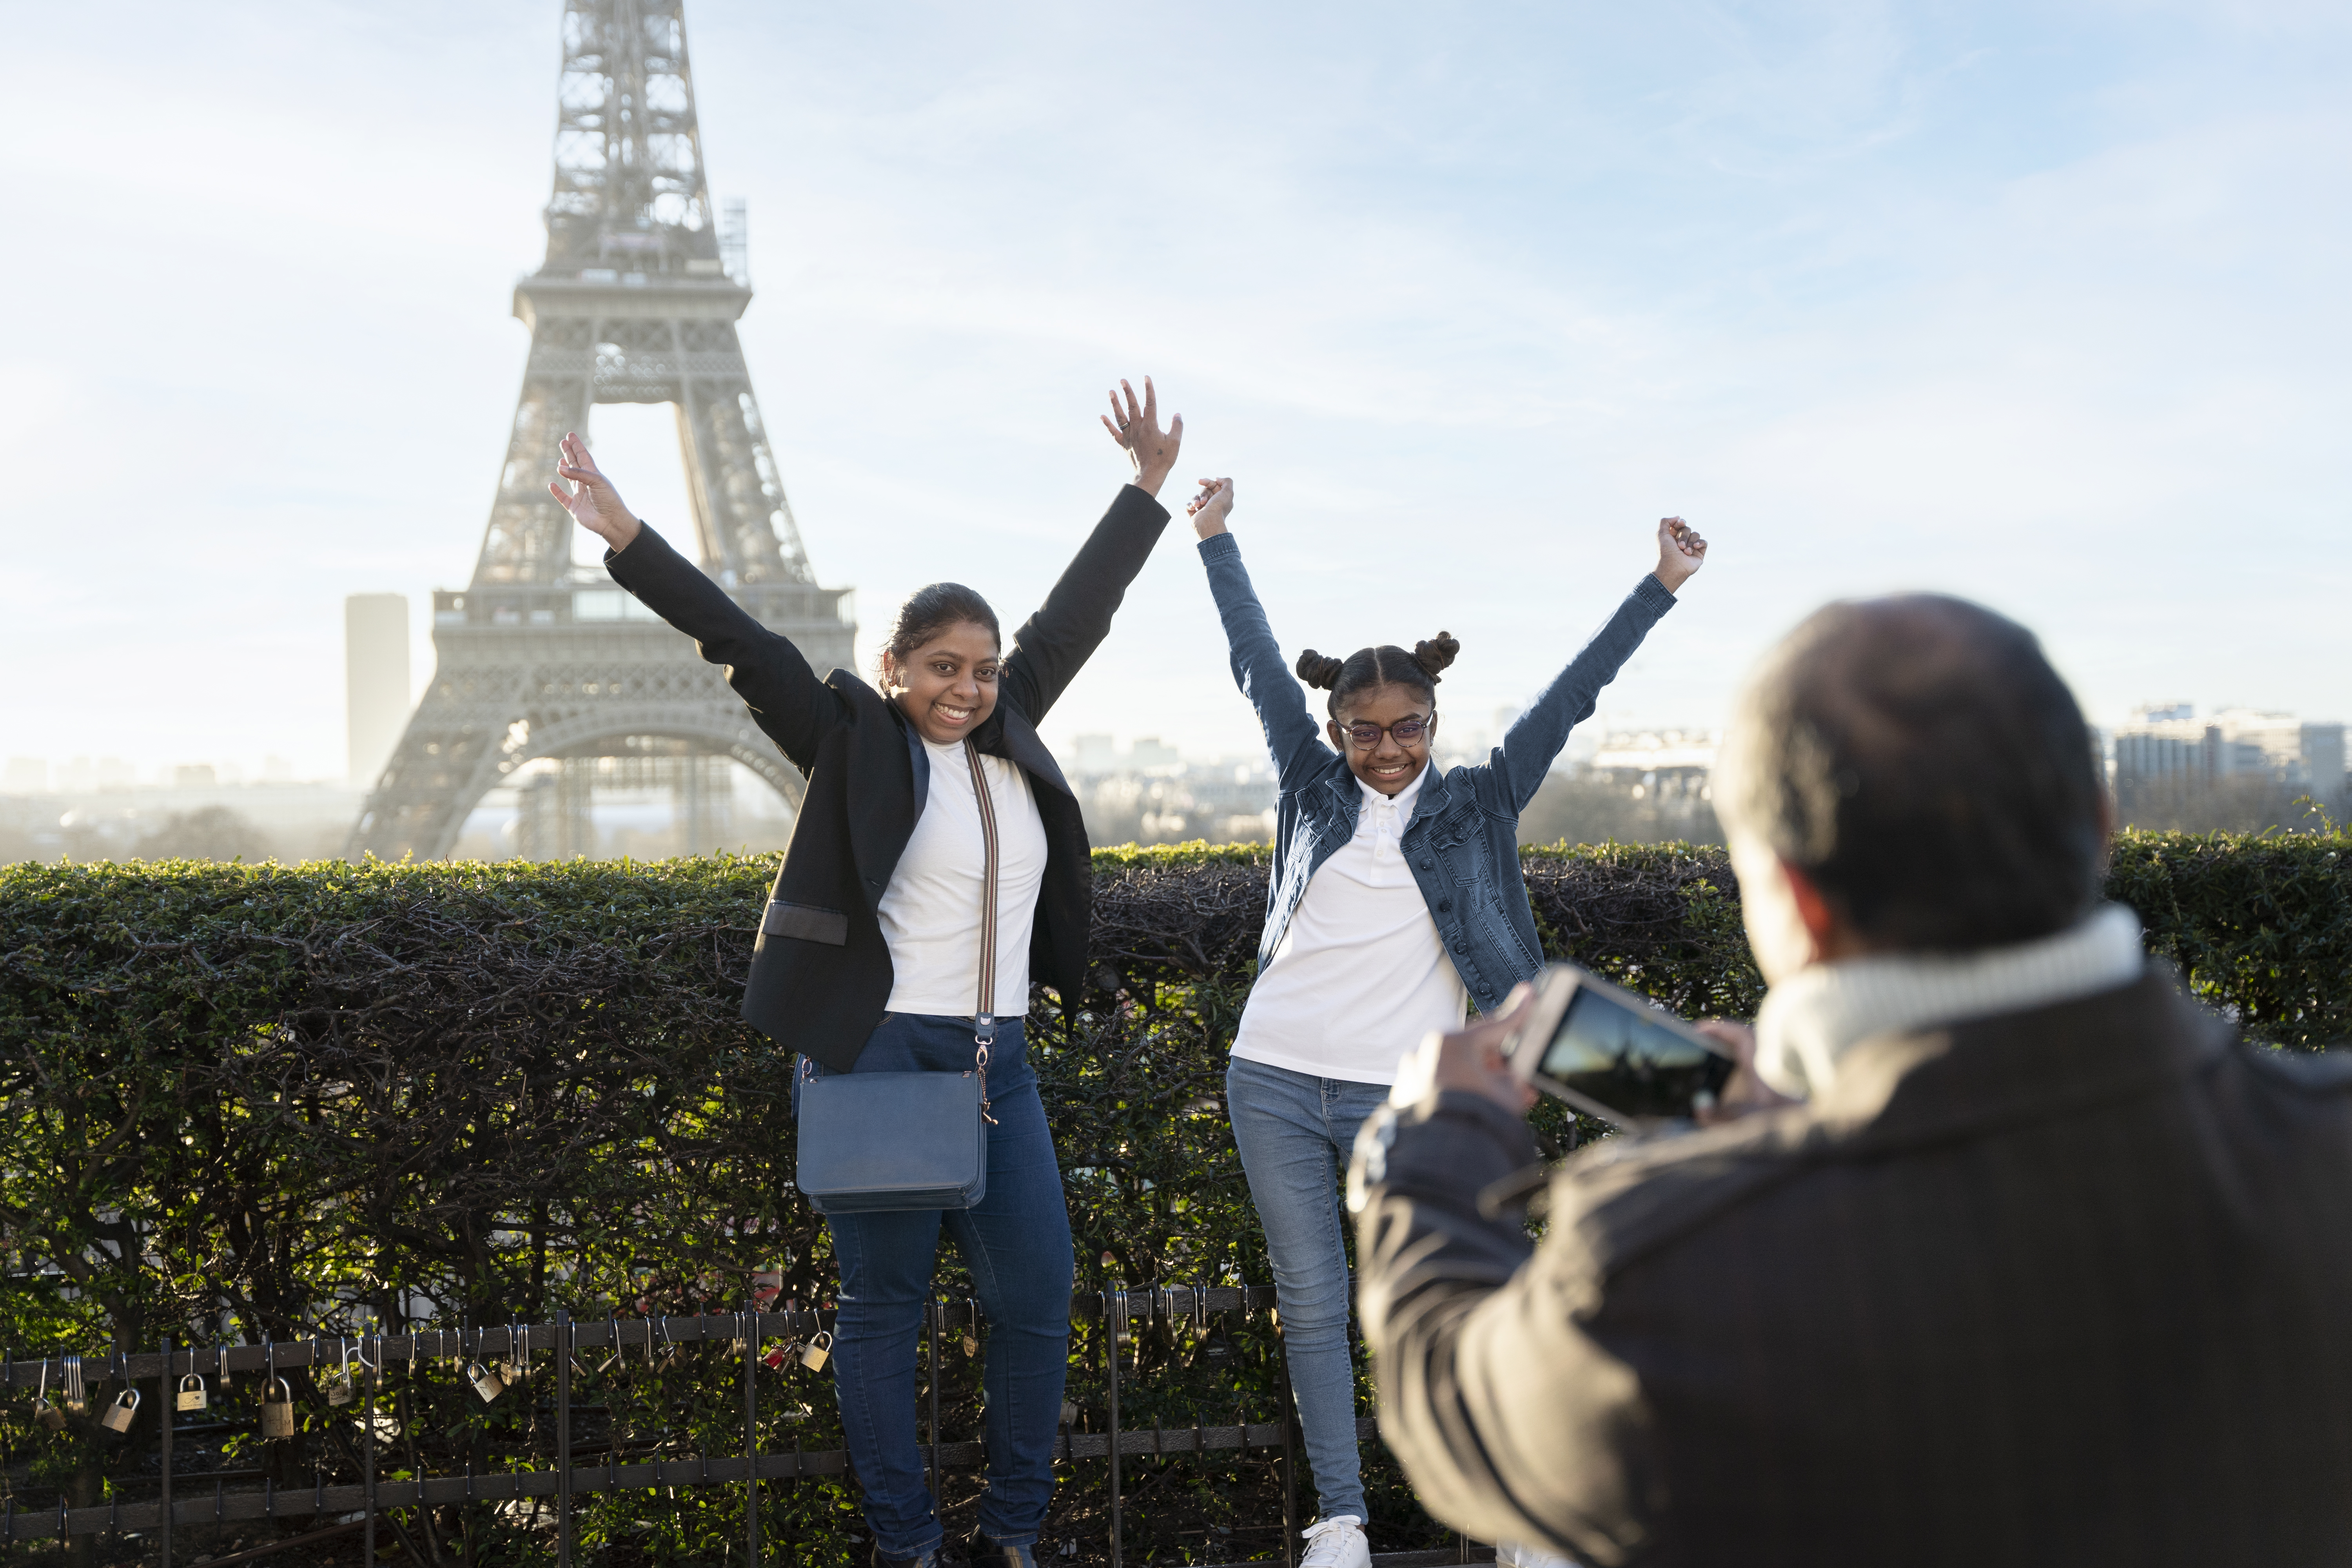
<point x="762" y="1339"/>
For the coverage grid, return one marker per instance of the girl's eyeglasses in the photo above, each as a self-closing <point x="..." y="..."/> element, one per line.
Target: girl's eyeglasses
<point x="1404" y="731"/>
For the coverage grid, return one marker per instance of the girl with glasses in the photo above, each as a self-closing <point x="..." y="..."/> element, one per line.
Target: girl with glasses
<point x="869" y="953"/>
<point x="1395" y="903"/>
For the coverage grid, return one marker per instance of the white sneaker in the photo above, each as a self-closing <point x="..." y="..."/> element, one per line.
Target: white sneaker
<point x="1336" y="1542"/>
<point x="1511" y="1555"/>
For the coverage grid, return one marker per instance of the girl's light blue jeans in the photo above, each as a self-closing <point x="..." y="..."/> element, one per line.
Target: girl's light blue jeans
<point x="1296" y="1133"/>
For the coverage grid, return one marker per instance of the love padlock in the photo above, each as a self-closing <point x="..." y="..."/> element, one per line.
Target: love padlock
<point x="119" y="1415"/>
<point x="46" y="1414"/>
<point x="970" y="1342"/>
<point x="191" y="1398"/>
<point x="339" y="1389"/>
<point x="486" y="1383"/>
<point x="814" y="1353"/>
<point x="277" y="1414"/>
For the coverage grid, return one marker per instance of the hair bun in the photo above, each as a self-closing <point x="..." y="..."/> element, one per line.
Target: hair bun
<point x="1437" y="655"/>
<point x="1320" y="671"/>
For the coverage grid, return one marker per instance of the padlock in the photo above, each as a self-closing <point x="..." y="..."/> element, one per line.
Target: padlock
<point x="486" y="1383"/>
<point x="46" y="1414"/>
<point x="971" y="1343"/>
<point x="339" y="1389"/>
<point x="814" y="1353"/>
<point x="119" y="1415"/>
<point x="190" y="1397"/>
<point x="75" y="1401"/>
<point x="277" y="1414"/>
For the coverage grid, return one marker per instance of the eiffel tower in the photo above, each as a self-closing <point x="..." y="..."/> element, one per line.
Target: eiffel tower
<point x="537" y="660"/>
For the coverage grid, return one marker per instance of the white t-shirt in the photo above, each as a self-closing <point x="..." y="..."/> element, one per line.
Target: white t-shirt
<point x="930" y="912"/>
<point x="1361" y="975"/>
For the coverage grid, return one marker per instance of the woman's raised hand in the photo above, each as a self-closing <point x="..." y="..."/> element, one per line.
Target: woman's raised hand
<point x="591" y="500"/>
<point x="1209" y="510"/>
<point x="1681" y="552"/>
<point x="1136" y="427"/>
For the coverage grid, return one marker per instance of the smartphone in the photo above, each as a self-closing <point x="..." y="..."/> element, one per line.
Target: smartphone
<point x="1614" y="1055"/>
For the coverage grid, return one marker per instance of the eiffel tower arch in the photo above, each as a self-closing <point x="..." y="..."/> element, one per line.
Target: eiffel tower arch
<point x="636" y="303"/>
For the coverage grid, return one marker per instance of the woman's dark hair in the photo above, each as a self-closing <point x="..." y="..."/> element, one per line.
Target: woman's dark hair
<point x="1386" y="665"/>
<point x="930" y="610"/>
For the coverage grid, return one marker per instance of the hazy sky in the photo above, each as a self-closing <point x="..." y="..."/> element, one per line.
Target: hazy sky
<point x="2045" y="303"/>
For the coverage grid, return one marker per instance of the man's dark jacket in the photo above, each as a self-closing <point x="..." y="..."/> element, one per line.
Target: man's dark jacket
<point x="2072" y="1285"/>
<point x="820" y="970"/>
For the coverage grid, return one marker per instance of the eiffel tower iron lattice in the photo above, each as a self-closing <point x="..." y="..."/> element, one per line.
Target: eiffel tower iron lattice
<point x="635" y="302"/>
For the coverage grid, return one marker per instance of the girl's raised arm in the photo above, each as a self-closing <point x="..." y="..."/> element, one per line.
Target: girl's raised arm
<point x="1293" y="738"/>
<point x="1534" y="741"/>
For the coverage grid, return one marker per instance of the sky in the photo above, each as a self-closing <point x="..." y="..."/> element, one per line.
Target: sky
<point x="2044" y="304"/>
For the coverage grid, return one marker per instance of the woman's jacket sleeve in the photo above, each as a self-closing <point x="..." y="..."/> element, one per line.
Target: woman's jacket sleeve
<point x="1055" y="644"/>
<point x="771" y="677"/>
<point x="1293" y="738"/>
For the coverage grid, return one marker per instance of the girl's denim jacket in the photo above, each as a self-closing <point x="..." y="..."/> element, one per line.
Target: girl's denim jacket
<point x="1463" y="840"/>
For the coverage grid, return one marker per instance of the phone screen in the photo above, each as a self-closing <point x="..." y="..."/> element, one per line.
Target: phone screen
<point x="1615" y="1056"/>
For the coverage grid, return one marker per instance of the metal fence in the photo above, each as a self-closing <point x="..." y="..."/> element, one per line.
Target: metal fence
<point x="760" y="1338"/>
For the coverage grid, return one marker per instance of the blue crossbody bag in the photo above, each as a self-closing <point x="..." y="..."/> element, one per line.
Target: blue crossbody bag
<point x="874" y="1142"/>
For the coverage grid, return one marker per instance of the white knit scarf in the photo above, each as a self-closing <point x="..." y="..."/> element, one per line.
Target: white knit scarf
<point x="1813" y="1018"/>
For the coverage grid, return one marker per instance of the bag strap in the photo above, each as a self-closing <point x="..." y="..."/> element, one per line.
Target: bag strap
<point x="983" y="1019"/>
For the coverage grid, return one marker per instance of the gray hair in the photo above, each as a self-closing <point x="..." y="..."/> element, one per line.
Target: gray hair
<point x="1921" y="761"/>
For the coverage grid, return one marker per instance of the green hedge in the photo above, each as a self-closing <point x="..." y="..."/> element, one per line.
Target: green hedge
<point x="294" y="1093"/>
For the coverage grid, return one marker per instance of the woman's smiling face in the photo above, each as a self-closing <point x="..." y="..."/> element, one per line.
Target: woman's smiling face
<point x="947" y="686"/>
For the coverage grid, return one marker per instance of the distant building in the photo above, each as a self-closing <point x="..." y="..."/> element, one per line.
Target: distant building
<point x="1149" y="752"/>
<point x="1657" y="764"/>
<point x="375" y="680"/>
<point x="2303" y="756"/>
<point x="1153" y="795"/>
<point x="1092" y="755"/>
<point x="2166" y="756"/>
<point x="2162" y="756"/>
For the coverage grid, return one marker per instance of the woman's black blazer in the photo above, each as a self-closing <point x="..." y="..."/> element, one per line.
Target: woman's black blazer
<point x="820" y="970"/>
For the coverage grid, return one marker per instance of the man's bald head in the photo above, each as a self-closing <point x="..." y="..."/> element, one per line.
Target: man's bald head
<point x="1921" y="763"/>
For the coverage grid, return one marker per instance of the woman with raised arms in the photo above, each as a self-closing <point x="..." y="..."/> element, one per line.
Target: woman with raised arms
<point x="869" y="950"/>
<point x="1395" y="903"/>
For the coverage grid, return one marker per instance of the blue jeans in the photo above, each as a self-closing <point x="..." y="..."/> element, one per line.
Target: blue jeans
<point x="1296" y="1133"/>
<point x="1017" y="1244"/>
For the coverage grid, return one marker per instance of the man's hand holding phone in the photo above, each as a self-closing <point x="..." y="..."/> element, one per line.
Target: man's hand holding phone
<point x="1744" y="1093"/>
<point x="1473" y="1061"/>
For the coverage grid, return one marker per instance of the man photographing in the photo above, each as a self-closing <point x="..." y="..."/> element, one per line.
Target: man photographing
<point x="2002" y="1251"/>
